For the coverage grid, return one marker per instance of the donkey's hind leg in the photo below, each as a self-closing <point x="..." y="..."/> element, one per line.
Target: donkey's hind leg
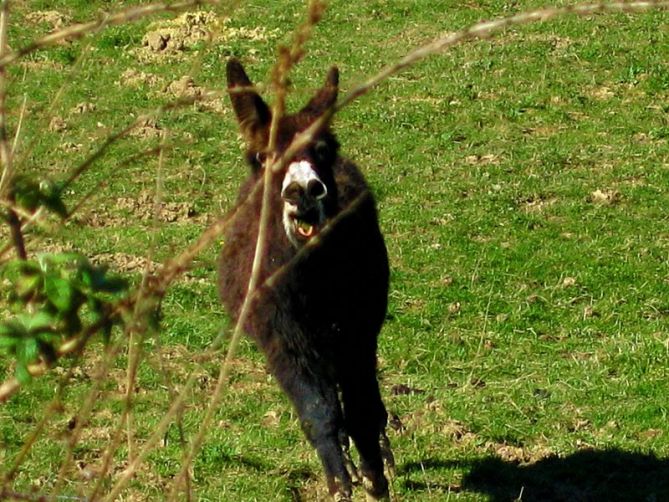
<point x="314" y="396"/>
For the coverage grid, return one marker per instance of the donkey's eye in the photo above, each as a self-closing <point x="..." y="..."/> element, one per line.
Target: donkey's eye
<point x="261" y="157"/>
<point x="321" y="150"/>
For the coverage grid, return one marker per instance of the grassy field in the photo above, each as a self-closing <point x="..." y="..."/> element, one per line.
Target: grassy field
<point x="523" y="187"/>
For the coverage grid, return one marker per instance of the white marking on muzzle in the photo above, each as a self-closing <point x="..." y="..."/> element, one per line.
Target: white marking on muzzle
<point x="301" y="172"/>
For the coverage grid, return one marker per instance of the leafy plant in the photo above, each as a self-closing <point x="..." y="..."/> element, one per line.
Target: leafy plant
<point x="55" y="298"/>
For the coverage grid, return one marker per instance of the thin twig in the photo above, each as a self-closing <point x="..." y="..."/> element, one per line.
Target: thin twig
<point x="67" y="348"/>
<point x="177" y="265"/>
<point x="15" y="230"/>
<point x="287" y="58"/>
<point x="486" y="29"/>
<point x="5" y="151"/>
<point x="29" y="220"/>
<point x="143" y="305"/>
<point x="17" y="134"/>
<point x="84" y="411"/>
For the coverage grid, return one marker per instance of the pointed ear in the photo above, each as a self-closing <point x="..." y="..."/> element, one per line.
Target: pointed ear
<point x="326" y="96"/>
<point x="252" y="112"/>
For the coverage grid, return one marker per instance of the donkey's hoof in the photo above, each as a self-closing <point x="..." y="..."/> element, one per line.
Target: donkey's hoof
<point x="387" y="454"/>
<point x="352" y="469"/>
<point x="342" y="497"/>
<point x="377" y="489"/>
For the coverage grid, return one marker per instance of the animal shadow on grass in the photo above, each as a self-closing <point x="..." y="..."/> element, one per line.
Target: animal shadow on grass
<point x="585" y="476"/>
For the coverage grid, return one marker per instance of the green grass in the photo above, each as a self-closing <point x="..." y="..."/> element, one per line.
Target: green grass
<point x="529" y="318"/>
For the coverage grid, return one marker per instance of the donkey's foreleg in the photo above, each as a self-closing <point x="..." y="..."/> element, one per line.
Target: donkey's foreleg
<point x="314" y="396"/>
<point x="365" y="419"/>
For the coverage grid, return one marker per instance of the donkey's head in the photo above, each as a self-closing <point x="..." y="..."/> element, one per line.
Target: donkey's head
<point x="307" y="188"/>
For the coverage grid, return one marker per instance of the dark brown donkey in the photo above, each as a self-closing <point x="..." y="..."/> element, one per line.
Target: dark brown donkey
<point x="317" y="321"/>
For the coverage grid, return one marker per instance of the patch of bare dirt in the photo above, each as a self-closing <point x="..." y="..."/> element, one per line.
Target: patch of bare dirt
<point x="53" y="18"/>
<point x="141" y="208"/>
<point x="182" y="32"/>
<point x="147" y="129"/>
<point x="601" y="93"/>
<point x="605" y="197"/>
<point x="482" y="159"/>
<point x="70" y="146"/>
<point x="41" y="65"/>
<point x="172" y="37"/>
<point x="556" y="43"/>
<point x="57" y="124"/>
<point x="457" y="431"/>
<point x="542" y="131"/>
<point x="185" y="87"/>
<point x="537" y="204"/>
<point x="83" y="107"/>
<point x="518" y="454"/>
<point x="135" y="78"/>
<point x="123" y="262"/>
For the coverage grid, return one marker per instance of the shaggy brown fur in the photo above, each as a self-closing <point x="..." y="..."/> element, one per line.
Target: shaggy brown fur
<point x="318" y="324"/>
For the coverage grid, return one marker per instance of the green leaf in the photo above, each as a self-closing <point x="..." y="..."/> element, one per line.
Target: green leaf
<point x="28" y="198"/>
<point x="8" y="342"/>
<point x="51" y="193"/>
<point x="41" y="321"/>
<point x="30" y="350"/>
<point x="62" y="259"/>
<point x="22" y="374"/>
<point x="14" y="328"/>
<point x="26" y="284"/>
<point x="6" y="329"/>
<point x="59" y="292"/>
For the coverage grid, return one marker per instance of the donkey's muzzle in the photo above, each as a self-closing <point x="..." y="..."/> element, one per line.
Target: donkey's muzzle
<point x="298" y="194"/>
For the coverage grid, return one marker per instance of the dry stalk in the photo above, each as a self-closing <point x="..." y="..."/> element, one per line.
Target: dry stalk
<point x="72" y="346"/>
<point x="5" y="150"/>
<point x="175" y="266"/>
<point x="83" y="413"/>
<point x="17" y="134"/>
<point x="287" y="58"/>
<point x="53" y="408"/>
<point x="486" y="29"/>
<point x="157" y="286"/>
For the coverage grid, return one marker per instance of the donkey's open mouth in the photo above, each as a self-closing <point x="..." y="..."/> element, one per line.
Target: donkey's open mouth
<point x="303" y="193"/>
<point x="305" y="229"/>
<point x="302" y="226"/>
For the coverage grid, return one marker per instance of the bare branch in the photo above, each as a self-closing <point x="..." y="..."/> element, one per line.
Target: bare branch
<point x="486" y="29"/>
<point x="5" y="151"/>
<point x="287" y="58"/>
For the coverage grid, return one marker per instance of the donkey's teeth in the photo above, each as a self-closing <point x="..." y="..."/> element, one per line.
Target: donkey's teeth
<point x="305" y="229"/>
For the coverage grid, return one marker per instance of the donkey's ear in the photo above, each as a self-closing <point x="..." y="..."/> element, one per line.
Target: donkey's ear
<point x="326" y="95"/>
<point x="252" y="112"/>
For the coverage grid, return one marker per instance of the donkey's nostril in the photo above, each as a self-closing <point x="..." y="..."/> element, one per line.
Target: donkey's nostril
<point x="292" y="193"/>
<point x="316" y="189"/>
